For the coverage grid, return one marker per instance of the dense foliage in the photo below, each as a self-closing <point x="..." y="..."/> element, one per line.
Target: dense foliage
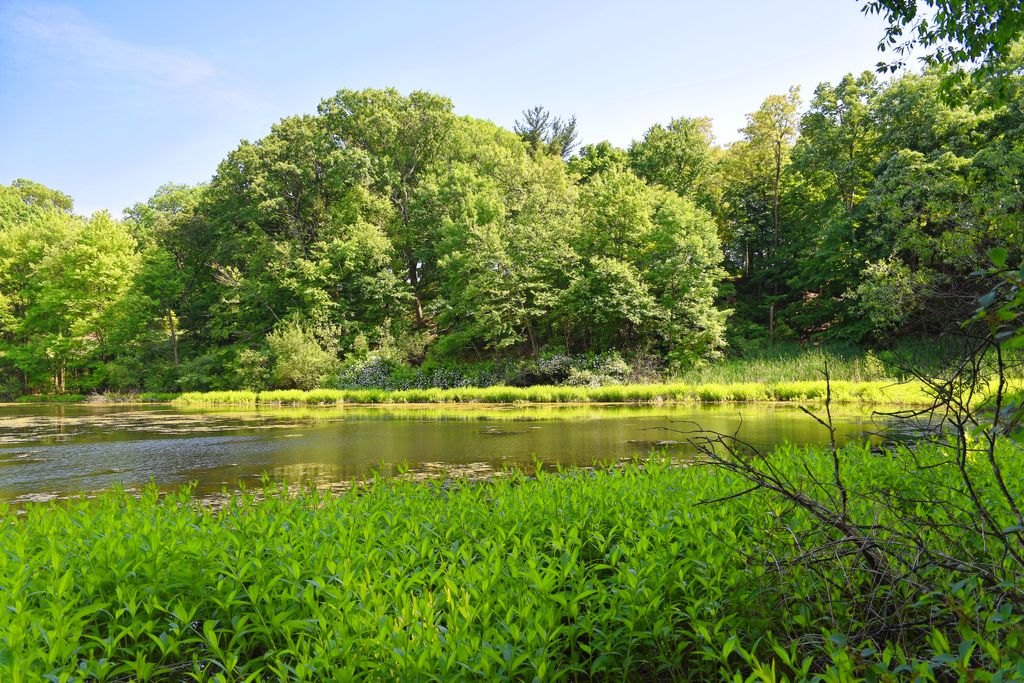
<point x="889" y="199"/>
<point x="609" y="575"/>
<point x="385" y="233"/>
<point x="952" y="34"/>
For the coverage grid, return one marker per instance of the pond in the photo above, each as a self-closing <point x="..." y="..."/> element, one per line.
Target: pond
<point x="51" y="451"/>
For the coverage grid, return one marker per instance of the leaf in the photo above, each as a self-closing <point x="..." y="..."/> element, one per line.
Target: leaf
<point x="998" y="256"/>
<point x="1014" y="342"/>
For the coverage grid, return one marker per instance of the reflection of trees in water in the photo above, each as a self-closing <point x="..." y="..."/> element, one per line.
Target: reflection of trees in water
<point x="328" y="445"/>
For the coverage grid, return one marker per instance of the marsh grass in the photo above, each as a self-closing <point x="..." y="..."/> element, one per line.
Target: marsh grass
<point x="878" y="392"/>
<point x="788" y="364"/>
<point x="240" y="398"/>
<point x="157" y="396"/>
<point x="617" y="574"/>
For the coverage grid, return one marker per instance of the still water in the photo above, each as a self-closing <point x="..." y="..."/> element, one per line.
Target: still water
<point x="49" y="451"/>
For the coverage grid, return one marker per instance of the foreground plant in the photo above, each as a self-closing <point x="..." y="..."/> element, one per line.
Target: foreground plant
<point x="609" y="574"/>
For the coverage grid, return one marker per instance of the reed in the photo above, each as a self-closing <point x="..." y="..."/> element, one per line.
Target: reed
<point x="877" y="392"/>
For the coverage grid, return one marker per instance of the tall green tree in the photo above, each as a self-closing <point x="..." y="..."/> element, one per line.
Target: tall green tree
<point x="680" y="156"/>
<point x="594" y="159"/>
<point x="60" y="276"/>
<point x="174" y="255"/>
<point x="753" y="172"/>
<point x="406" y="138"/>
<point x="544" y="132"/>
<point x="650" y="266"/>
<point x="508" y="217"/>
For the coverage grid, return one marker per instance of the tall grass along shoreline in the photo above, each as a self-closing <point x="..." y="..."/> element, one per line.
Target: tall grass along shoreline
<point x="842" y="391"/>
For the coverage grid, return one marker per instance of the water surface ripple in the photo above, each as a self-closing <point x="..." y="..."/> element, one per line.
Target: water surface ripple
<point x="51" y="451"/>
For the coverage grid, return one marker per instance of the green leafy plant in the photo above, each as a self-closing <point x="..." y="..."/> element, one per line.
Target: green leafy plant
<point x="614" y="573"/>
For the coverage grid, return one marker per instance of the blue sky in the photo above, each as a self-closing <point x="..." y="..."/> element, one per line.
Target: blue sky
<point x="108" y="100"/>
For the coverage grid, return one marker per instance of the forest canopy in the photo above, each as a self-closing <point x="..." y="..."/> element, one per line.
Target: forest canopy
<point x="386" y="228"/>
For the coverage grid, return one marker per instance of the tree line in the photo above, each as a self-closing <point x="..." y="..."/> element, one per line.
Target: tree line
<point x="386" y="224"/>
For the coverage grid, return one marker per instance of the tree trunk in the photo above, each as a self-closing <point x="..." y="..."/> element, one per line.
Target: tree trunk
<point x="853" y="180"/>
<point x="414" y="283"/>
<point x="777" y="195"/>
<point x="533" y="340"/>
<point x="776" y="241"/>
<point x="174" y="335"/>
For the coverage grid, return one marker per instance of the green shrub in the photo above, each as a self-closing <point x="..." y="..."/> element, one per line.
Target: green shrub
<point x="299" y="360"/>
<point x="254" y="369"/>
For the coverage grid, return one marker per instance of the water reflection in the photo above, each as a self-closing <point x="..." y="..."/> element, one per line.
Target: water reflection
<point x="67" y="449"/>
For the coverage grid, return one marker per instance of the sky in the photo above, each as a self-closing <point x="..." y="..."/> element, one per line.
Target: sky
<point x="106" y="101"/>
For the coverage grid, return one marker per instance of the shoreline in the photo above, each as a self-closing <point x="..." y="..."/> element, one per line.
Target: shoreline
<point x="891" y="392"/>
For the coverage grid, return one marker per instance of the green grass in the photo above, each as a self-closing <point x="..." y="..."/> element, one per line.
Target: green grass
<point x="782" y="373"/>
<point x="787" y="364"/>
<point x="157" y="396"/>
<point x="240" y="398"/>
<point x="607" y="575"/>
<point x="878" y="392"/>
<point x="785" y="372"/>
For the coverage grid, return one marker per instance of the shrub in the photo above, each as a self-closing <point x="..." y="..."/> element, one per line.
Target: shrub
<point x="253" y="369"/>
<point x="206" y="372"/>
<point x="299" y="360"/>
<point x="583" y="378"/>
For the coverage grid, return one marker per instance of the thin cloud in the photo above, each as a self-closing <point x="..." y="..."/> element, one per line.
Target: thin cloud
<point x="64" y="31"/>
